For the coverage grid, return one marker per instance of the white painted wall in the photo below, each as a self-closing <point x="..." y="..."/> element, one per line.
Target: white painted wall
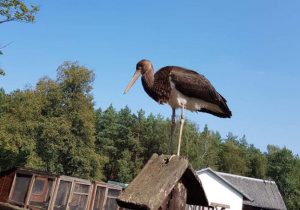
<point x="218" y="191"/>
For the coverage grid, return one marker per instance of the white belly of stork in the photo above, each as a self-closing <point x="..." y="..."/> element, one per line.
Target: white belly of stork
<point x="177" y="100"/>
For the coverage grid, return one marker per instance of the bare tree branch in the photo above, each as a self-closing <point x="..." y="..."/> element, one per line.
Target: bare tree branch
<point x="7" y="20"/>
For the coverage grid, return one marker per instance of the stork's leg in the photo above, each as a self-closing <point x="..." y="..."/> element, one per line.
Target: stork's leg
<point x="172" y="132"/>
<point x="180" y="131"/>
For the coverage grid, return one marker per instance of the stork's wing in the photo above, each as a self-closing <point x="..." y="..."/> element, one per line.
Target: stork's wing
<point x="195" y="85"/>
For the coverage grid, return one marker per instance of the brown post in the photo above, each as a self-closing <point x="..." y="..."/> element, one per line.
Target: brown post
<point x="176" y="199"/>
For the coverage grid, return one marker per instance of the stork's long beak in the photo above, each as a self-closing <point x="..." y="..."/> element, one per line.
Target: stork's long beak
<point x="132" y="81"/>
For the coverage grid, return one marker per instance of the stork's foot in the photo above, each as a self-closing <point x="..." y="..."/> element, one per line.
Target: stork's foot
<point x="168" y="159"/>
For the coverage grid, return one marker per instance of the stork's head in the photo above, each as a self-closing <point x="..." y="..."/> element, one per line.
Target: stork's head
<point x="141" y="68"/>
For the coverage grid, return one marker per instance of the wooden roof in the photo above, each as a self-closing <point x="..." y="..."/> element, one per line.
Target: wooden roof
<point x="157" y="179"/>
<point x="27" y="171"/>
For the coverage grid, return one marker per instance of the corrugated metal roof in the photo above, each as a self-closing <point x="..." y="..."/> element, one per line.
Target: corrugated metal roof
<point x="264" y="193"/>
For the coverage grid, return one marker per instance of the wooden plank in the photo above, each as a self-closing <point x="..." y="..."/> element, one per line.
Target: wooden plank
<point x="29" y="190"/>
<point x="176" y="199"/>
<point x="179" y="194"/>
<point x="220" y="205"/>
<point x="12" y="186"/>
<point x="54" y="192"/>
<point x="7" y="206"/>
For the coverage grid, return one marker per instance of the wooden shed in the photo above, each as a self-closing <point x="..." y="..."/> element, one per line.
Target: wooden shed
<point x="37" y="190"/>
<point x="104" y="196"/>
<point x="27" y="187"/>
<point x="166" y="182"/>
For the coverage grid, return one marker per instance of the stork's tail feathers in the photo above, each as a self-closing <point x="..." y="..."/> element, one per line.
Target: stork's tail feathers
<point x="223" y="111"/>
<point x="224" y="114"/>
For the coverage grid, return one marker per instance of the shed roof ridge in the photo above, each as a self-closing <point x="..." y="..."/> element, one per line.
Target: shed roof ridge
<point x="246" y="177"/>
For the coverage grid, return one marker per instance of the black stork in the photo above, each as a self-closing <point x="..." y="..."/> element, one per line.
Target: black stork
<point x="180" y="88"/>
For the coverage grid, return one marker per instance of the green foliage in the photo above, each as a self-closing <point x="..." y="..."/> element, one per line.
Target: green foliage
<point x="116" y="133"/>
<point x="78" y="155"/>
<point x="202" y="148"/>
<point x="107" y="134"/>
<point x="52" y="127"/>
<point x="256" y="163"/>
<point x="19" y="129"/>
<point x="17" y="10"/>
<point x="284" y="168"/>
<point x="233" y="158"/>
<point x="2" y="101"/>
<point x="11" y="10"/>
<point x="153" y="135"/>
<point x="1" y="70"/>
<point x="124" y="165"/>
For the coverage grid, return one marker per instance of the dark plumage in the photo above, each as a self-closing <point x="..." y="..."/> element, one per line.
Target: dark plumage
<point x="189" y="83"/>
<point x="180" y="88"/>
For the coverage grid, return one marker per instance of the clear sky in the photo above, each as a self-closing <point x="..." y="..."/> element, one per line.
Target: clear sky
<point x="249" y="50"/>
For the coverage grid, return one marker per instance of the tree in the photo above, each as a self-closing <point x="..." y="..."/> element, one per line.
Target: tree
<point x="79" y="157"/>
<point x="233" y="158"/>
<point x="17" y="10"/>
<point x="256" y="163"/>
<point x="19" y="129"/>
<point x="210" y="149"/>
<point x="2" y="101"/>
<point x="55" y="127"/>
<point x="154" y="136"/>
<point x="125" y="166"/>
<point x="11" y="10"/>
<point x="52" y="127"/>
<point x="234" y="139"/>
<point x="1" y="70"/>
<point x="118" y="139"/>
<point x="106" y="135"/>
<point x="128" y="140"/>
<point x="294" y="198"/>
<point x="283" y="168"/>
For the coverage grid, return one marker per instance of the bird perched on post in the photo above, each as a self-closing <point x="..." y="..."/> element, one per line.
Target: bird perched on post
<point x="180" y="88"/>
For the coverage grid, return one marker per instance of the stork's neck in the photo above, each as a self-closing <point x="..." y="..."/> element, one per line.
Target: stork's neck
<point x="148" y="84"/>
<point x="157" y="85"/>
<point x="148" y="79"/>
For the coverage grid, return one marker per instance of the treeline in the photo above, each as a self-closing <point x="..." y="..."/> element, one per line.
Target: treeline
<point x="54" y="127"/>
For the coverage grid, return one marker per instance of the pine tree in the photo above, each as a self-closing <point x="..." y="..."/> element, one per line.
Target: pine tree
<point x="107" y="134"/>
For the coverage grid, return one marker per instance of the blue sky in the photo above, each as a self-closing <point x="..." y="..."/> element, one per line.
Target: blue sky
<point x="249" y="50"/>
